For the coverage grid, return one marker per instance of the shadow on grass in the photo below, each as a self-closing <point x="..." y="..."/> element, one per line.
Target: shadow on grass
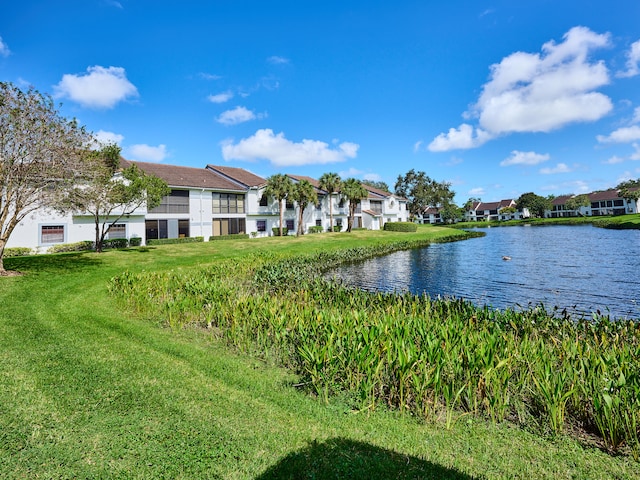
<point x="343" y="458"/>
<point x="63" y="263"/>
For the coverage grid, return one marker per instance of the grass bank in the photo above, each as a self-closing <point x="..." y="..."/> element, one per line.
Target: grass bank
<point x="91" y="388"/>
<point x="619" y="222"/>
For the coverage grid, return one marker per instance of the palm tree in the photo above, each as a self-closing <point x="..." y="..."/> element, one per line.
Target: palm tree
<point x="354" y="191"/>
<point x="304" y="194"/>
<point x="330" y="182"/>
<point x="278" y="187"/>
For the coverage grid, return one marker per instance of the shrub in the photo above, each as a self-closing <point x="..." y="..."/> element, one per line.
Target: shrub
<point x="17" y="252"/>
<point x="233" y="236"/>
<point x="400" y="227"/>
<point x="115" y="243"/>
<point x="276" y="231"/>
<point x="337" y="228"/>
<point x="169" y="241"/>
<point x="315" y="229"/>
<point x="135" y="241"/>
<point x="72" y="247"/>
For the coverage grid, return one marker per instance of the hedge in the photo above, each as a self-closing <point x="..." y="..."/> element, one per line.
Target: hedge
<point x="400" y="227"/>
<point x="17" y="252"/>
<point x="169" y="241"/>
<point x="233" y="236"/>
<point x="276" y="231"/>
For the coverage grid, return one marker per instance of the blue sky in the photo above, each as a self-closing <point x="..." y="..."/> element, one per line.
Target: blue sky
<point x="497" y="97"/>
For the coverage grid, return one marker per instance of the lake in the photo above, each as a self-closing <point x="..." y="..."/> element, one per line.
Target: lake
<point x="579" y="268"/>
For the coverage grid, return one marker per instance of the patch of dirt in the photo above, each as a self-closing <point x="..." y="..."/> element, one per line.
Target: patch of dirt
<point x="11" y="273"/>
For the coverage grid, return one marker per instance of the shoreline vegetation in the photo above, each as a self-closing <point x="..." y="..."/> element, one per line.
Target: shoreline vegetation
<point x="621" y="222"/>
<point x="413" y="386"/>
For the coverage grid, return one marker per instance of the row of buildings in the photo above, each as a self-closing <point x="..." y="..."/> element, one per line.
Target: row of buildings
<point x="605" y="202"/>
<point x="208" y="202"/>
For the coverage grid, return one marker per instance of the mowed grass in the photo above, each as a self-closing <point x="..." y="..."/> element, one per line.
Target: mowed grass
<point x="89" y="390"/>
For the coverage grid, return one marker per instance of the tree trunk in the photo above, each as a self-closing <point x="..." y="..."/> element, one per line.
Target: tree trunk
<point x="352" y="213"/>
<point x="300" y="226"/>
<point x="330" y="213"/>
<point x="3" y="243"/>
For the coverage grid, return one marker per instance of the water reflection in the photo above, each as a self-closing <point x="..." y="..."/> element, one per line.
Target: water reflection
<point x="578" y="268"/>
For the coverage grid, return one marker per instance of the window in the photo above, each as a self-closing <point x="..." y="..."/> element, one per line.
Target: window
<point x="183" y="228"/>
<point x="117" y="230"/>
<point x="264" y="201"/>
<point x="290" y="225"/>
<point x="261" y="225"/>
<point x="376" y="206"/>
<point x="51" y="234"/>
<point x="289" y="204"/>
<point x="176" y="202"/>
<point x="228" y="203"/>
<point x="617" y="203"/>
<point x="155" y="229"/>
<point x="318" y="222"/>
<point x="228" y="226"/>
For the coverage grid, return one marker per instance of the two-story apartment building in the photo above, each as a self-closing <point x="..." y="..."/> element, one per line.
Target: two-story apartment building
<point x="208" y="202"/>
<point x="606" y="202"/>
<point x="488" y="211"/>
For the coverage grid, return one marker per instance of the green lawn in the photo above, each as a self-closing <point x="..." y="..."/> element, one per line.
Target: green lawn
<point x="91" y="390"/>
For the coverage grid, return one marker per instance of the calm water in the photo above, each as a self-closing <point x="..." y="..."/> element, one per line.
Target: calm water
<point x="580" y="268"/>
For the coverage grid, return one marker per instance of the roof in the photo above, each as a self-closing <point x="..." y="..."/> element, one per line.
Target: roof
<point x="604" y="195"/>
<point x="431" y="211"/>
<point x="493" y="205"/>
<point x="238" y="175"/>
<point x="372" y="213"/>
<point x="177" y="176"/>
<point x="312" y="181"/>
<point x="561" y="199"/>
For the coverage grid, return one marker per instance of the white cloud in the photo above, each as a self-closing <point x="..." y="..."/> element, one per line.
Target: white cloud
<point x="104" y="137"/>
<point x="524" y="158"/>
<point x="613" y="160"/>
<point x="417" y="146"/>
<point x="530" y="92"/>
<point x="210" y="76"/>
<point x="4" y="49"/>
<point x="560" y="168"/>
<point x="100" y="88"/>
<point x="147" y="153"/>
<point x="264" y="144"/>
<point x="277" y="60"/>
<point x="221" y="97"/>
<point x="636" y="115"/>
<point x="477" y="192"/>
<point x="237" y="115"/>
<point x="633" y="61"/>
<point x="461" y="138"/>
<point x="372" y="177"/>
<point x="622" y="135"/>
<point x="636" y="154"/>
<point x="352" y="172"/>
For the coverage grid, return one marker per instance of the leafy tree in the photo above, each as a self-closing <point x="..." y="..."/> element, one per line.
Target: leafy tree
<point x="450" y="213"/>
<point x="421" y="191"/>
<point x="304" y="194"/>
<point x="506" y="210"/>
<point x="629" y="189"/>
<point x="330" y="182"/>
<point x="377" y="184"/>
<point x="279" y="186"/>
<point x="354" y="191"/>
<point x="41" y="156"/>
<point x="574" y="203"/>
<point x="469" y="203"/>
<point x="536" y="204"/>
<point x="109" y="193"/>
